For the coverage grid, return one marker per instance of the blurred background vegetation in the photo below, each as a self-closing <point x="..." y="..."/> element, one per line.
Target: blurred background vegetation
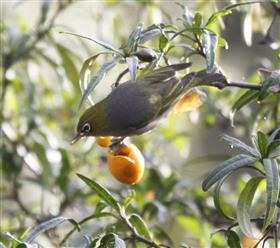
<point x="40" y="94"/>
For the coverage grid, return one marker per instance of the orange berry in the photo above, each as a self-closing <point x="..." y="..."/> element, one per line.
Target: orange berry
<point x="103" y="141"/>
<point x="248" y="242"/>
<point x="190" y="101"/>
<point x="127" y="164"/>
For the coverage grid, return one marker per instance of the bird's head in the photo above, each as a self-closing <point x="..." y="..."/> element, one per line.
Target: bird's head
<point x="91" y="123"/>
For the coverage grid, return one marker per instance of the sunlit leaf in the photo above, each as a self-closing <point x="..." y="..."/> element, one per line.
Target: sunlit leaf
<point x="149" y="33"/>
<point x="163" y="42"/>
<point x="244" y="206"/>
<point x="140" y="226"/>
<point x="132" y="63"/>
<point x="129" y="198"/>
<point x="102" y="192"/>
<point x="197" y="20"/>
<point x="101" y="43"/>
<point x="210" y="44"/>
<point x="96" y="79"/>
<point x="133" y="40"/>
<point x="272" y="189"/>
<point x="214" y="17"/>
<point x="236" y="143"/>
<point x="227" y="167"/>
<point x="44" y="227"/>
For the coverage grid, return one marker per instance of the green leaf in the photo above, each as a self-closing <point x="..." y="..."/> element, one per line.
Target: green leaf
<point x="65" y="170"/>
<point x="210" y="44"/>
<point x="233" y="240"/>
<point x="103" y="193"/>
<point x="197" y="20"/>
<point x="233" y="6"/>
<point x="239" y="144"/>
<point x="226" y="168"/>
<point x="44" y="227"/>
<point x="244" y="206"/>
<point x="129" y="198"/>
<point x="44" y="11"/>
<point x="216" y="198"/>
<point x="138" y="223"/>
<point x="246" y="98"/>
<point x="262" y="143"/>
<point x="163" y="43"/>
<point x="149" y="33"/>
<point x="68" y="64"/>
<point x="274" y="135"/>
<point x="214" y="17"/>
<point x="111" y="240"/>
<point x="272" y="189"/>
<point x="132" y="63"/>
<point x="96" y="79"/>
<point x="133" y="40"/>
<point x="222" y="43"/>
<point x="274" y="147"/>
<point x="101" y="43"/>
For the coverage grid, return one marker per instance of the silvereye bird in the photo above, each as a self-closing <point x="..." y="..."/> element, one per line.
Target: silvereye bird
<point x="135" y="107"/>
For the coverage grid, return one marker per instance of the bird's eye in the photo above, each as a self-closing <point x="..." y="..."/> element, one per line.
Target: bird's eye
<point x="86" y="128"/>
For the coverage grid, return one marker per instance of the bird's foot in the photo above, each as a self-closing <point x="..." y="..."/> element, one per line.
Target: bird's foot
<point x="116" y="143"/>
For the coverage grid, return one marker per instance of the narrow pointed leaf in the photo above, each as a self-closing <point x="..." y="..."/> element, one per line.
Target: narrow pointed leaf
<point x="246" y="98"/>
<point x="103" y="193"/>
<point x="273" y="149"/>
<point x="96" y="79"/>
<point x="132" y="63"/>
<point x="217" y="201"/>
<point x="210" y="44"/>
<point x="274" y="135"/>
<point x="241" y="145"/>
<point x="44" y="227"/>
<point x="133" y="40"/>
<point x="140" y="226"/>
<point x="262" y="143"/>
<point x="272" y="189"/>
<point x="227" y="167"/>
<point x="101" y="43"/>
<point x="244" y="206"/>
<point x="149" y="33"/>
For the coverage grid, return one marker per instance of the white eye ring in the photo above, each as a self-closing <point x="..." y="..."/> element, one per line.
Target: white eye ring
<point x="86" y="128"/>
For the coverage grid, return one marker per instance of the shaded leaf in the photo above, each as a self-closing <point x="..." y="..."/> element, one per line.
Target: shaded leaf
<point x="44" y="11"/>
<point x="111" y="240"/>
<point x="274" y="148"/>
<point x="210" y="44"/>
<point x="262" y="143"/>
<point x="227" y="167"/>
<point x="96" y="79"/>
<point x="68" y="64"/>
<point x="216" y="198"/>
<point x="129" y="198"/>
<point x="138" y="223"/>
<point x="197" y="20"/>
<point x="132" y="63"/>
<point x="233" y="240"/>
<point x="246" y="98"/>
<point x="44" y="227"/>
<point x="241" y="145"/>
<point x="103" y="193"/>
<point x="244" y="206"/>
<point x="272" y="189"/>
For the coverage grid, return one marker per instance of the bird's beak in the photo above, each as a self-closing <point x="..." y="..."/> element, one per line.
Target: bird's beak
<point x="76" y="138"/>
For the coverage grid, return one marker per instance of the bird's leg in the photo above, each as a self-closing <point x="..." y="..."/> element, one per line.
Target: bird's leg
<point x="116" y="142"/>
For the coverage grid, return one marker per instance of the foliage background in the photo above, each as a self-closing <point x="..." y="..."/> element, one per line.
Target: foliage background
<point x="40" y="97"/>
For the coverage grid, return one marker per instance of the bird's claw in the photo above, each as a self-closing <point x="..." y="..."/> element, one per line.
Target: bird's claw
<point x="116" y="143"/>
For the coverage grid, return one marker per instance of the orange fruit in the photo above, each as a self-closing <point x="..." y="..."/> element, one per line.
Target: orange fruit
<point x="103" y="141"/>
<point x="191" y="101"/>
<point x="127" y="164"/>
<point x="248" y="242"/>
